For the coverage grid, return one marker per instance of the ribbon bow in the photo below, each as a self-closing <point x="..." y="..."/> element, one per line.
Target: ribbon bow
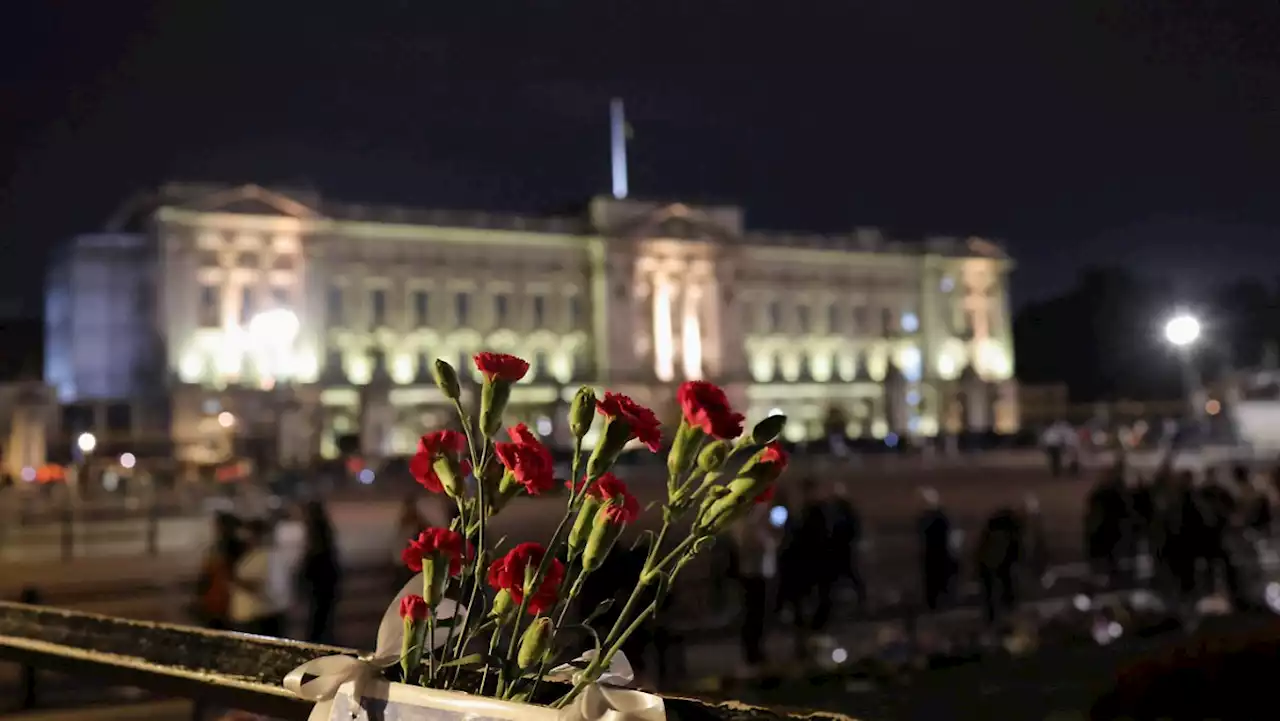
<point x="608" y="699"/>
<point x="331" y="672"/>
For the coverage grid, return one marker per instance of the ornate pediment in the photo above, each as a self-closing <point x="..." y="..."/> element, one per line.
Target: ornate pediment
<point x="676" y="221"/>
<point x="251" y="200"/>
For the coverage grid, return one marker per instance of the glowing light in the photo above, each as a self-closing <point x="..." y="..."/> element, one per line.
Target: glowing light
<point x="947" y="284"/>
<point x="191" y="367"/>
<point x="691" y="340"/>
<point x="272" y="333"/>
<point x="365" y="476"/>
<point x="909" y="362"/>
<point x="1212" y="407"/>
<point x="995" y="361"/>
<point x="839" y="655"/>
<point x="1182" y="330"/>
<point x="128" y="460"/>
<point x="947" y="366"/>
<point x="1082" y="603"/>
<point x="402" y="368"/>
<point x="910" y="322"/>
<point x="775" y="412"/>
<point x="360" y="369"/>
<point x="820" y="367"/>
<point x="28" y="474"/>
<point x="913" y="398"/>
<point x="891" y="440"/>
<point x="86" y="442"/>
<point x="226" y="419"/>
<point x="762" y="366"/>
<point x="663" y="360"/>
<point x="543" y="424"/>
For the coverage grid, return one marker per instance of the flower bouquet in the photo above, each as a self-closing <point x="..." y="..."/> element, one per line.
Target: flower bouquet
<point x="483" y="630"/>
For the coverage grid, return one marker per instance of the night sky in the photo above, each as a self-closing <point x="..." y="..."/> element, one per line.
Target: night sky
<point x="1076" y="131"/>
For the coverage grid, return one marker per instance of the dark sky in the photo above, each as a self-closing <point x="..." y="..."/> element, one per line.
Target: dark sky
<point x="1075" y="130"/>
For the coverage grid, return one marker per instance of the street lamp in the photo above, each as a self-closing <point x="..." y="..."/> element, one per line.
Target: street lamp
<point x="1182" y="331"/>
<point x="86" y="442"/>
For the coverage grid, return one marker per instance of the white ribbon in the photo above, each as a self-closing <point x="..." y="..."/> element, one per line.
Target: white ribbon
<point x="608" y="699"/>
<point x="331" y="672"/>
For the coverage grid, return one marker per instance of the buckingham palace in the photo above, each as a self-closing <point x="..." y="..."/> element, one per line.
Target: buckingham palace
<point x="248" y="309"/>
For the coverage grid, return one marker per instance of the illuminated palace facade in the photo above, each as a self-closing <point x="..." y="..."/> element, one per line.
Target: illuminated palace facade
<point x="321" y="319"/>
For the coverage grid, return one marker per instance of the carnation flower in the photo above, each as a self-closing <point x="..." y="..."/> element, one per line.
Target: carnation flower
<point x="508" y="574"/>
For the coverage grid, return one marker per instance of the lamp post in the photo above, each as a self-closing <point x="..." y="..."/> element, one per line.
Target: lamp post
<point x="1182" y="331"/>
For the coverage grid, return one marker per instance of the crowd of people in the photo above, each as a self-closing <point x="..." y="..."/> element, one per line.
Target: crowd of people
<point x="247" y="584"/>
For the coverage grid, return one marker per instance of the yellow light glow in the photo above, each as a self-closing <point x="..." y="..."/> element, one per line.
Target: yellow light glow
<point x="995" y="361"/>
<point x="928" y="426"/>
<point x="794" y="431"/>
<point x="947" y="367"/>
<point x="663" y="360"/>
<point x="562" y="366"/>
<point x="402" y="369"/>
<point x="762" y="366"/>
<point x="226" y="419"/>
<point x="820" y="366"/>
<point x="878" y="364"/>
<point x="306" y="366"/>
<point x="879" y="428"/>
<point x="691" y="341"/>
<point x="791" y="366"/>
<point x="359" y="369"/>
<point x="191" y="368"/>
<point x="847" y="366"/>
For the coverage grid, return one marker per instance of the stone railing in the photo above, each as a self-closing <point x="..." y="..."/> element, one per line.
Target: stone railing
<point x="228" y="670"/>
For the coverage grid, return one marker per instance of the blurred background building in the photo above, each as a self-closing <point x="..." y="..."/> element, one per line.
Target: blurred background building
<point x="206" y="317"/>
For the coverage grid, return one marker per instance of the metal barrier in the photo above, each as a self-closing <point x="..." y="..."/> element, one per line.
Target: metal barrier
<point x="228" y="670"/>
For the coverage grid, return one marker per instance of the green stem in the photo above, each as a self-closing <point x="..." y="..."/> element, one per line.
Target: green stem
<point x="575" y="495"/>
<point x="493" y="647"/>
<point x="426" y="647"/>
<point x="574" y="590"/>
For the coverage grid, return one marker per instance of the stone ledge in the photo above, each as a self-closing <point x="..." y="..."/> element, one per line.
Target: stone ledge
<point x="229" y="669"/>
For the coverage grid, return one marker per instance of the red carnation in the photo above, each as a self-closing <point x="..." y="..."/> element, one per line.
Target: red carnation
<point x="640" y="421"/>
<point x="414" y="608"/>
<point x="437" y="543"/>
<point x="528" y="460"/>
<point x="766" y="495"/>
<point x="705" y="406"/>
<point x="432" y="446"/>
<point x="619" y="505"/>
<point x="501" y="367"/>
<point x="508" y="574"/>
<point x="776" y="456"/>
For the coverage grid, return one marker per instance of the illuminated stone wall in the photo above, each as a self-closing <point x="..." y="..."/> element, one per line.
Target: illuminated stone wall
<point x="857" y="332"/>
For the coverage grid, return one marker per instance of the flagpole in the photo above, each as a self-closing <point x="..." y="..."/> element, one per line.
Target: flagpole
<point x="618" y="144"/>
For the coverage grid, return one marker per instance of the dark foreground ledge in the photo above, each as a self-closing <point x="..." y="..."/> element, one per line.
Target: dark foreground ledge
<point x="227" y="669"/>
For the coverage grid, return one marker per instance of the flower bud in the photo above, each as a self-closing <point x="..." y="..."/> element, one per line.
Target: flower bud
<point x="582" y="412"/>
<point x="582" y="525"/>
<point x="768" y="430"/>
<point x="446" y="379"/>
<point x="615" y="437"/>
<point x="494" y="397"/>
<point x="413" y="613"/>
<point x="713" y="456"/>
<point x="435" y="574"/>
<point x="683" y="449"/>
<point x="452" y="477"/>
<point x="535" y="643"/>
<point x="603" y="535"/>
<point x="504" y="607"/>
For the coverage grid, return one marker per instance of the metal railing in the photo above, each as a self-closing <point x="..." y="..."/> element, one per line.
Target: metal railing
<point x="223" y="669"/>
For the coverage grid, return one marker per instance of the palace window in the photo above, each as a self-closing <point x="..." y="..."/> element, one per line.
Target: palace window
<point x="333" y="306"/>
<point x="802" y="318"/>
<point x="421" y="308"/>
<point x="247" y="307"/>
<point x="539" y="311"/>
<point x="833" y="318"/>
<point x="462" y="308"/>
<point x="501" y="308"/>
<point x="210" y="306"/>
<point x="378" y="307"/>
<point x="575" y="311"/>
<point x="773" y="316"/>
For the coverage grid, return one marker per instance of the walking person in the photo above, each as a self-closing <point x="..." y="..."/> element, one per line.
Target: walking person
<point x="938" y="563"/>
<point x="999" y="550"/>
<point x="213" y="585"/>
<point x="846" y="542"/>
<point x="259" y="584"/>
<point x="320" y="572"/>
<point x="755" y="545"/>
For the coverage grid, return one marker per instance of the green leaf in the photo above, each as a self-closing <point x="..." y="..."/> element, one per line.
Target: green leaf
<point x="598" y="612"/>
<point x="473" y="659"/>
